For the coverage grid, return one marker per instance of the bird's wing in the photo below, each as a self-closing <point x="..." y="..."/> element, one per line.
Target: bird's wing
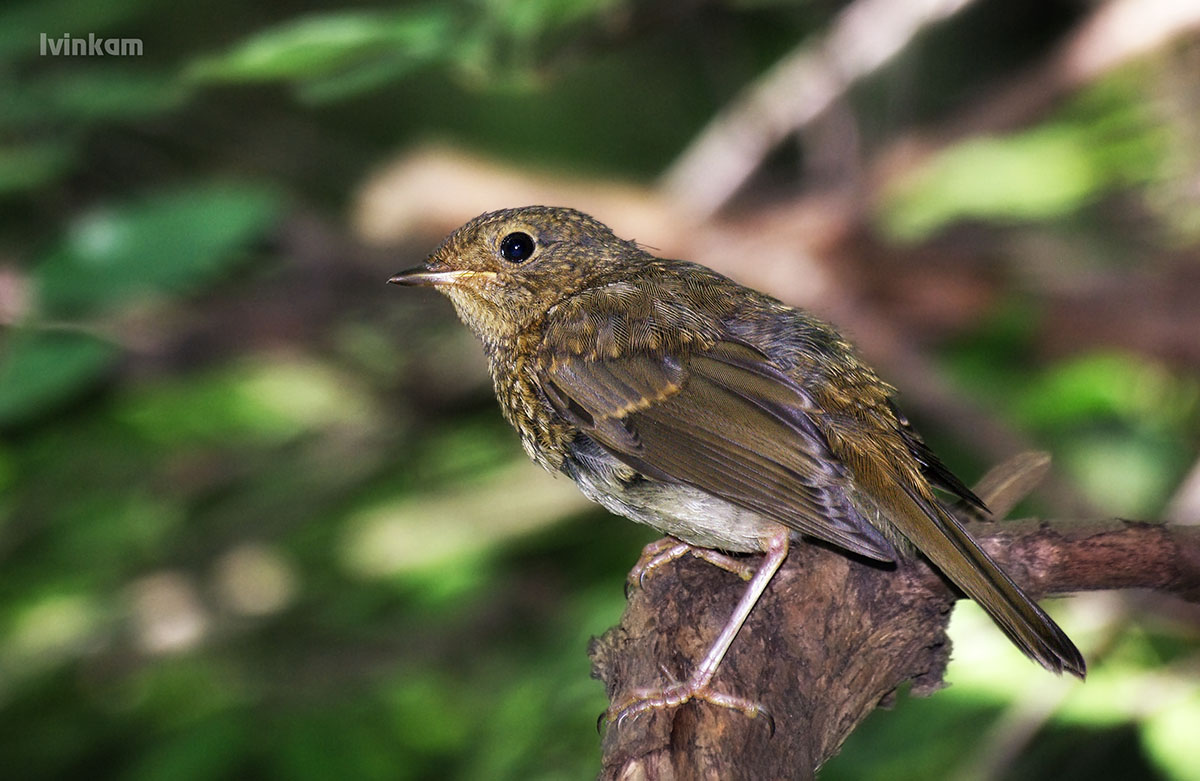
<point x="717" y="416"/>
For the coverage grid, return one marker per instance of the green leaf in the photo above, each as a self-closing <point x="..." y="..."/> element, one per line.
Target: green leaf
<point x="1105" y="386"/>
<point x="172" y="243"/>
<point x="1168" y="733"/>
<point x="76" y="98"/>
<point x="41" y="369"/>
<point x="1041" y="174"/>
<point x="1109" y="137"/>
<point x="259" y="401"/>
<point x="333" y="44"/>
<point x="109" y="93"/>
<point x="32" y="165"/>
<point x="353" y="81"/>
<point x="211" y="748"/>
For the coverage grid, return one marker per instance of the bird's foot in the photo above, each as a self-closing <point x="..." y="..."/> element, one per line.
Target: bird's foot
<point x="677" y="693"/>
<point x="669" y="549"/>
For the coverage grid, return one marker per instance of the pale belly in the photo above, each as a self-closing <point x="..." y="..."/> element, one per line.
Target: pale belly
<point x="682" y="511"/>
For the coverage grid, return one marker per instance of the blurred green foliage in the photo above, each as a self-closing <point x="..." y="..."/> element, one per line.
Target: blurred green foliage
<point x="42" y="368"/>
<point x="240" y="537"/>
<point x="1106" y="138"/>
<point x="169" y="243"/>
<point x="336" y="54"/>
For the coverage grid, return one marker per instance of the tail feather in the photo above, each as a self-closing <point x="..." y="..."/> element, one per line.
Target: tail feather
<point x="972" y="570"/>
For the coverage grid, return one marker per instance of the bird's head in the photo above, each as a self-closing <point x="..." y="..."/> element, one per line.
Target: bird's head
<point x="504" y="270"/>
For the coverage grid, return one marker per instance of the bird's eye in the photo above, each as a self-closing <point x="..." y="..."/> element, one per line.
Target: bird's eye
<point x="516" y="247"/>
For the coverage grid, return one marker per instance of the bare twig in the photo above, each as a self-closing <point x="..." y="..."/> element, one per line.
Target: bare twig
<point x="1114" y="34"/>
<point x="865" y="37"/>
<point x="1004" y="486"/>
<point x="798" y="89"/>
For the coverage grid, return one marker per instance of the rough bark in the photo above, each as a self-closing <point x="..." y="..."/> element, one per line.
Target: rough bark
<point x="833" y="638"/>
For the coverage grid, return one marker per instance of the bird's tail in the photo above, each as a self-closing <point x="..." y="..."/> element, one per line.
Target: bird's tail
<point x="945" y="543"/>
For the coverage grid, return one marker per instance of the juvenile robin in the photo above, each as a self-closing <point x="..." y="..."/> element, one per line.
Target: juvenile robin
<point x="714" y="413"/>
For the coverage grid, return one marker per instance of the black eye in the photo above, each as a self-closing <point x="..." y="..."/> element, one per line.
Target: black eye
<point x="516" y="247"/>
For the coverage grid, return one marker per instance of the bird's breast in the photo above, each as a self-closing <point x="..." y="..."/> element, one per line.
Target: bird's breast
<point x="544" y="434"/>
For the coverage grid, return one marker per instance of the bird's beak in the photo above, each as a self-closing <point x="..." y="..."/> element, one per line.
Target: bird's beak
<point x="423" y="276"/>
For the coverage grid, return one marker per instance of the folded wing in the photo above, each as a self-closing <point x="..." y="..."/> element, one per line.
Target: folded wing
<point x="722" y="419"/>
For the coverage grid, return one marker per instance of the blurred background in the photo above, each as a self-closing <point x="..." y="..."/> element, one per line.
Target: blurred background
<point x="259" y="513"/>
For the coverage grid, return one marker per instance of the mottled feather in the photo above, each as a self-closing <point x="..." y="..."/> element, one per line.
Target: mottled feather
<point x="715" y="413"/>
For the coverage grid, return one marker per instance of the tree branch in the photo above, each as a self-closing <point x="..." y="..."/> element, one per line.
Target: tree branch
<point x="834" y="637"/>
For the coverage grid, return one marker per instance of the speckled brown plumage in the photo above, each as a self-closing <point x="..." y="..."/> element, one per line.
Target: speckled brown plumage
<point x="717" y="414"/>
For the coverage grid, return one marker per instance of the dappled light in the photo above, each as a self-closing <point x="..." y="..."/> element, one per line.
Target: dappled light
<point x="433" y="533"/>
<point x="260" y="514"/>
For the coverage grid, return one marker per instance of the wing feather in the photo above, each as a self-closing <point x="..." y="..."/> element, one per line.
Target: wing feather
<point x="722" y="419"/>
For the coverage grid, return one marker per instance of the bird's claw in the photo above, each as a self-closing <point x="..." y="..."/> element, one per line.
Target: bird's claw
<point x="669" y="549"/>
<point x="643" y="701"/>
<point x="654" y="556"/>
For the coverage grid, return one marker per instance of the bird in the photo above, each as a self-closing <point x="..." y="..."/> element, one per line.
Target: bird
<point x="714" y="413"/>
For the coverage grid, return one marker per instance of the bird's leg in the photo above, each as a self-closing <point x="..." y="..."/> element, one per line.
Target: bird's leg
<point x="669" y="549"/>
<point x="697" y="687"/>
